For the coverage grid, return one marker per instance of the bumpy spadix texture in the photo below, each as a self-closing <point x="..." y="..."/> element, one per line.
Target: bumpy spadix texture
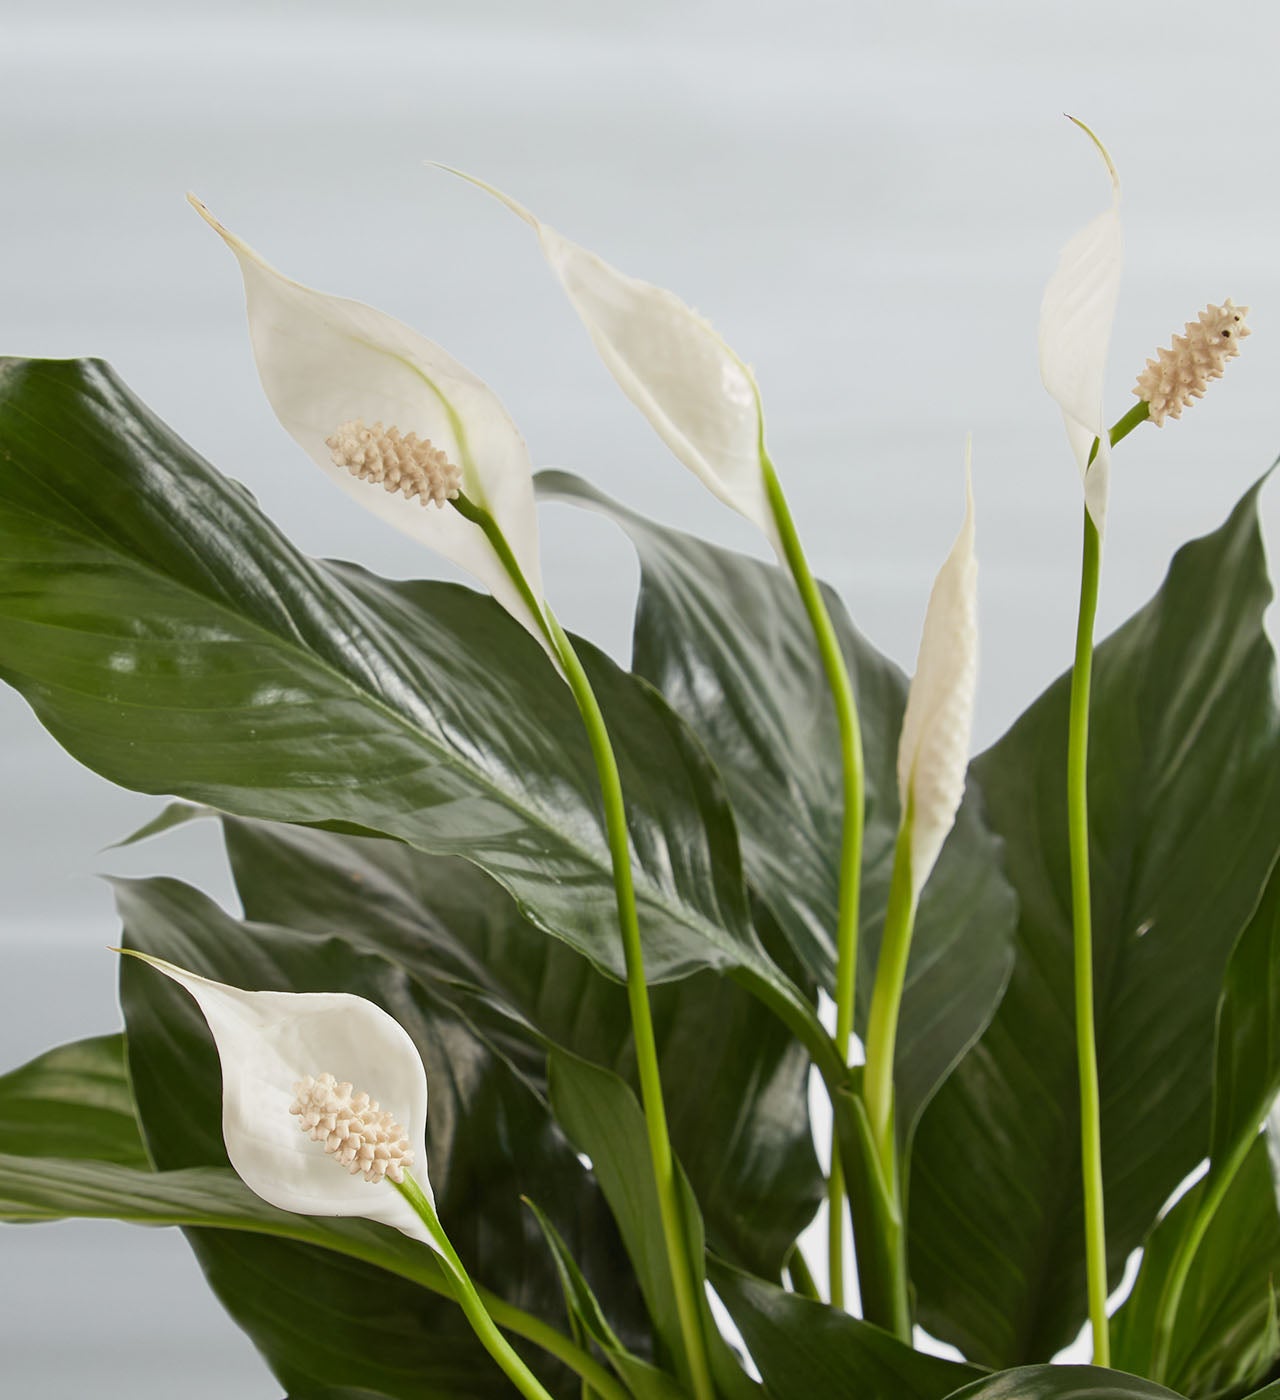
<point x="381" y="456"/>
<point x="933" y="753"/>
<point x="326" y="362"/>
<point x="1076" y="315"/>
<point x="356" y="1132"/>
<point x="270" y="1045"/>
<point x="697" y="394"/>
<point x="1180" y="374"/>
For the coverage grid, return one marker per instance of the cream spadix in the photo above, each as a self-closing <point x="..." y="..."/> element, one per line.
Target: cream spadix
<point x="1076" y="316"/>
<point x="698" y="395"/>
<point x="933" y="752"/>
<point x="396" y="422"/>
<point x="334" y="1066"/>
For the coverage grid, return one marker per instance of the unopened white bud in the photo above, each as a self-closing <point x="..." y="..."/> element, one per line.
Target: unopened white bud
<point x="352" y="1128"/>
<point x="408" y="465"/>
<point x="1181" y="374"/>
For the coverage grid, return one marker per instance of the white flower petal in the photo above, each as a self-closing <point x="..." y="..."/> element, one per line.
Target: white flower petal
<point x="1075" y="333"/>
<point x="267" y="1042"/>
<point x="933" y="753"/>
<point x="699" y="396"/>
<point x="326" y="361"/>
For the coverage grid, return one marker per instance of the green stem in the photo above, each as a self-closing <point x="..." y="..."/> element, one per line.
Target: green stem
<point x="1095" y="1235"/>
<point x="854" y="801"/>
<point x="886" y="1000"/>
<point x="888" y="1254"/>
<point x="470" y="1301"/>
<point x="679" y="1256"/>
<point x="684" y="1284"/>
<point x="801" y="1275"/>
<point x="1216" y="1186"/>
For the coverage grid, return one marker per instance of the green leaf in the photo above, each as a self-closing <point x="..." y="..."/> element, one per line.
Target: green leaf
<point x="726" y="640"/>
<point x="1223" y="1333"/>
<point x="170" y="638"/>
<point x="73" y="1102"/>
<point x="747" y="1148"/>
<point x="1184" y="782"/>
<point x="644" y="1381"/>
<point x="805" y="1350"/>
<point x="604" y="1120"/>
<point x="1247" y="1055"/>
<point x="1063" y="1383"/>
<point x="489" y="1139"/>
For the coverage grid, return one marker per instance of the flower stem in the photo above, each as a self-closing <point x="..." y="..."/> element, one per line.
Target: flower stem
<point x="465" y="1291"/>
<point x="684" y="1285"/>
<point x="889" y="1252"/>
<point x="854" y="801"/>
<point x="689" y="1305"/>
<point x="1082" y="932"/>
<point x="1095" y="1234"/>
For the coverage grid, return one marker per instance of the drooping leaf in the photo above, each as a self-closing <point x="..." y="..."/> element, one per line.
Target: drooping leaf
<point x="72" y="1102"/>
<point x="644" y="1381"/>
<point x="604" y="1120"/>
<point x="747" y="1147"/>
<point x="489" y="1136"/>
<point x="1223" y="1332"/>
<point x="169" y="637"/>
<point x="1063" y="1383"/>
<point x="806" y="1349"/>
<point x="1184" y="783"/>
<point x="726" y="640"/>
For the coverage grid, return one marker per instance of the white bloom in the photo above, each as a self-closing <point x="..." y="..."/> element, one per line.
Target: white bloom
<point x="701" y="399"/>
<point x="330" y="366"/>
<point x="1075" y="333"/>
<point x="933" y="753"/>
<point x="283" y="1055"/>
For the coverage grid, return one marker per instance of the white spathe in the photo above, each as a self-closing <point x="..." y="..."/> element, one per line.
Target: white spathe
<point x="698" y="395"/>
<point x="1076" y="316"/>
<point x="269" y="1041"/>
<point x="326" y="362"/>
<point x="933" y="752"/>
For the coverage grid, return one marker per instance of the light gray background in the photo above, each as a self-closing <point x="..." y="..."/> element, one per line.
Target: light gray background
<point x="865" y="198"/>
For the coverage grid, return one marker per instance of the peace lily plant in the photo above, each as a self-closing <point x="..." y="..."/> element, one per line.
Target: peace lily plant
<point x="561" y="930"/>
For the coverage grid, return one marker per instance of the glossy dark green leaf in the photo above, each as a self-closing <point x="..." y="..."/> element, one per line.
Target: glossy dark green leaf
<point x="604" y="1120"/>
<point x="1063" y="1383"/>
<point x="645" y="1382"/>
<point x="726" y="640"/>
<point x="72" y="1102"/>
<point x="1224" y="1329"/>
<point x="1247" y="1057"/>
<point x="489" y="1139"/>
<point x="1184" y="779"/>
<point x="169" y="637"/>
<point x="805" y="1349"/>
<point x="747" y="1147"/>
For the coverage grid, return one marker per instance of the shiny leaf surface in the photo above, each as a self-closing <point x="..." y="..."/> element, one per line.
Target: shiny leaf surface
<point x="1184" y="782"/>
<point x="726" y="640"/>
<point x="168" y="636"/>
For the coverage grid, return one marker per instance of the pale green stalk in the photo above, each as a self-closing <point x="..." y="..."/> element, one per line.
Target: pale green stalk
<point x="468" y="1299"/>
<point x="878" y="1095"/>
<point x="1217" y="1186"/>
<point x="684" y="1285"/>
<point x="1095" y="1235"/>
<point x="854" y="802"/>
